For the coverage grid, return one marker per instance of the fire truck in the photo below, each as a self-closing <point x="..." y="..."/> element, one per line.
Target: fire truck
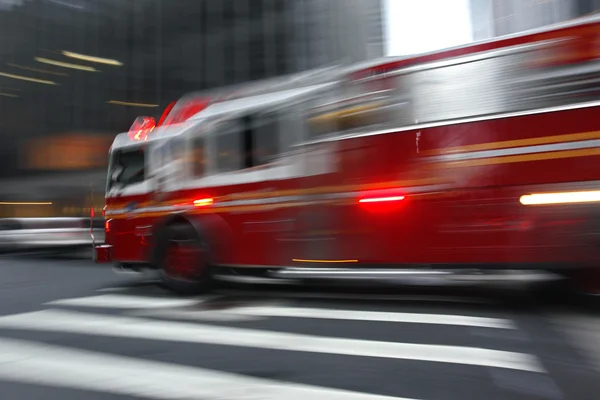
<point x="478" y="162"/>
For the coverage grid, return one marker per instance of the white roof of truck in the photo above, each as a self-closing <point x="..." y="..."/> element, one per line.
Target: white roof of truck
<point x="234" y="106"/>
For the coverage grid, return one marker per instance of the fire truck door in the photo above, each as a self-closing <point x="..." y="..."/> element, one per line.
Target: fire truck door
<point x="310" y="235"/>
<point x="316" y="217"/>
<point x="165" y="167"/>
<point x="129" y="187"/>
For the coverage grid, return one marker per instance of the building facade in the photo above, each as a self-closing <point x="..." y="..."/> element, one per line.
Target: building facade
<point x="151" y="53"/>
<point x="492" y="18"/>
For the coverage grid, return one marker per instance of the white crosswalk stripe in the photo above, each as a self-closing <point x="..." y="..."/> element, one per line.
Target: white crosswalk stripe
<point x="124" y="302"/>
<point x="374" y="316"/>
<point x="193" y="315"/>
<point x="200" y="321"/>
<point x="162" y="309"/>
<point x="368" y="297"/>
<point x="28" y="362"/>
<point x="116" y="326"/>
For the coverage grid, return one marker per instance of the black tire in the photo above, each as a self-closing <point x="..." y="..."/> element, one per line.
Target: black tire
<point x="198" y="277"/>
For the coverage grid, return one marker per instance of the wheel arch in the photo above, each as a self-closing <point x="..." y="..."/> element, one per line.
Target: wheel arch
<point x="210" y="227"/>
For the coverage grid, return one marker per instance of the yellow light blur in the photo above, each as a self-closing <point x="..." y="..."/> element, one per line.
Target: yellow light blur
<point x="26" y="78"/>
<point x="324" y="261"/>
<point x="43" y="71"/>
<point x="26" y="203"/>
<point x="8" y="95"/>
<point x="99" y="60"/>
<point x="561" y="198"/>
<point x="127" y="103"/>
<point x="65" y="65"/>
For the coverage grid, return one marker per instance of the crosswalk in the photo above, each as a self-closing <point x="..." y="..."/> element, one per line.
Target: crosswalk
<point x="222" y="345"/>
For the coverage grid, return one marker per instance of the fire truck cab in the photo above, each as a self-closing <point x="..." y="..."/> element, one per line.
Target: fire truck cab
<point x="199" y="191"/>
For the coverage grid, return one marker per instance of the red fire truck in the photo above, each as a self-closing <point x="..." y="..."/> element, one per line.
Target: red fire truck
<point x="476" y="162"/>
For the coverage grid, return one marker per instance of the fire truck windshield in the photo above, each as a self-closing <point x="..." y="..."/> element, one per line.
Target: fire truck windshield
<point x="127" y="167"/>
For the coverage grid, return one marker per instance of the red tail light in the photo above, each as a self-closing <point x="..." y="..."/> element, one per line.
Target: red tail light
<point x="107" y="225"/>
<point x="381" y="199"/>
<point x="203" y="202"/>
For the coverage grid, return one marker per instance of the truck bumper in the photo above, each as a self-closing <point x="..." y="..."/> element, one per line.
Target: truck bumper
<point x="103" y="254"/>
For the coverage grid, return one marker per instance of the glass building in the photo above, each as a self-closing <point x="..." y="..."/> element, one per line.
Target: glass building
<point x="491" y="18"/>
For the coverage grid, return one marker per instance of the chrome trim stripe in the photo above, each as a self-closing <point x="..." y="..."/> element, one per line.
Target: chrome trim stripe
<point x="459" y="121"/>
<point x="429" y="275"/>
<point x="274" y="200"/>
<point x="585" y="20"/>
<point x="118" y="211"/>
<point x="575" y="71"/>
<point x="266" y="200"/>
<point x="585" y="144"/>
<point x="465" y="59"/>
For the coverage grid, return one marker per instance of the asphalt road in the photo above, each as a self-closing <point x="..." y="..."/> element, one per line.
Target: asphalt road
<point x="73" y="330"/>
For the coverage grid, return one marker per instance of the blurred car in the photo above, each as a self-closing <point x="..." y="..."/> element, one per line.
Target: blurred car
<point x="48" y="234"/>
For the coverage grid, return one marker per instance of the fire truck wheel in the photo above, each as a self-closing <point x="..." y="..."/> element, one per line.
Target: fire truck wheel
<point x="184" y="260"/>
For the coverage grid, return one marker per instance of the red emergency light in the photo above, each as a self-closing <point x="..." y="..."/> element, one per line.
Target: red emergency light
<point x="166" y="113"/>
<point x="141" y="128"/>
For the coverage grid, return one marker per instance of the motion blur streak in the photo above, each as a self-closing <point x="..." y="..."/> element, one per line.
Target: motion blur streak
<point x="19" y="203"/>
<point x="591" y="196"/>
<point x="25" y="78"/>
<point x="437" y="319"/>
<point x="65" y="65"/>
<point x="99" y="60"/>
<point x="300" y="260"/>
<point x="43" y="71"/>
<point x="130" y="103"/>
<point x="121" y="301"/>
<point x="382" y="199"/>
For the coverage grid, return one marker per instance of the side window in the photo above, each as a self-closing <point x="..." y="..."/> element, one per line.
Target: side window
<point x="229" y="146"/>
<point x="247" y="142"/>
<point x="377" y="103"/>
<point x="321" y="115"/>
<point x="199" y="160"/>
<point x="156" y="159"/>
<point x="177" y="152"/>
<point x="291" y="127"/>
<point x="265" y="139"/>
<point x="176" y="147"/>
<point x="443" y="93"/>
